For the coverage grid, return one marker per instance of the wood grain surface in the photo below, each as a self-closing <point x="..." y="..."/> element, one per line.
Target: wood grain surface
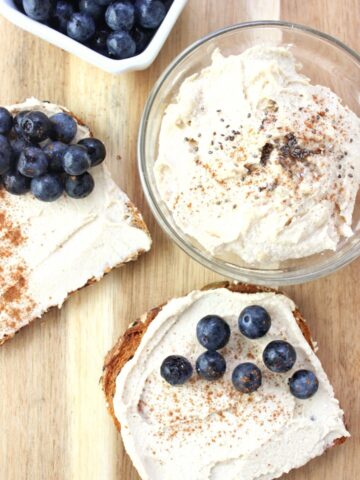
<point x="53" y="420"/>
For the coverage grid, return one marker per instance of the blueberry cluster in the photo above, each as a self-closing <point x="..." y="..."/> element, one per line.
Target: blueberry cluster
<point x="36" y="155"/>
<point x="117" y="29"/>
<point x="213" y="333"/>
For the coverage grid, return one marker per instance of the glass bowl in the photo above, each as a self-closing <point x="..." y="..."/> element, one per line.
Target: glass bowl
<point x="327" y="62"/>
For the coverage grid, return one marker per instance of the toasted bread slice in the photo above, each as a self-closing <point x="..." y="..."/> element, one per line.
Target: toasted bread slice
<point x="127" y="345"/>
<point x="49" y="250"/>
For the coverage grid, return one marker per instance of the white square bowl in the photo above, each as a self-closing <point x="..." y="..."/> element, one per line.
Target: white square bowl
<point x="139" y="62"/>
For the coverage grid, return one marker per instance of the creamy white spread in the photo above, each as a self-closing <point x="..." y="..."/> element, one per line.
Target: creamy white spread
<point x="208" y="430"/>
<point x="48" y="250"/>
<point x="257" y="163"/>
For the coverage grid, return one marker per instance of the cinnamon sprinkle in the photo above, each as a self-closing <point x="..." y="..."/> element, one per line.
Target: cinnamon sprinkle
<point x="15" y="302"/>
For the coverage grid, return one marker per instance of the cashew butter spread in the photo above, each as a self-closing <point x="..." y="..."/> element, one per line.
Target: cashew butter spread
<point x="208" y="430"/>
<point x="256" y="162"/>
<point x="49" y="250"/>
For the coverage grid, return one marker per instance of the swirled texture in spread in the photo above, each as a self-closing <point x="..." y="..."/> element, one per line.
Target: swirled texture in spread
<point x="256" y="162"/>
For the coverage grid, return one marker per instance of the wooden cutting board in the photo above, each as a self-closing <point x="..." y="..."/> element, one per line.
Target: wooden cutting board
<point x="53" y="421"/>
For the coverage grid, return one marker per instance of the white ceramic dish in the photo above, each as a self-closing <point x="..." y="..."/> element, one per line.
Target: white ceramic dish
<point x="139" y="62"/>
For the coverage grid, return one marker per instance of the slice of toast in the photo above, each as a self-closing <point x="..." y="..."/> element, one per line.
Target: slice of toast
<point x="49" y="250"/>
<point x="127" y="344"/>
<point x="126" y="347"/>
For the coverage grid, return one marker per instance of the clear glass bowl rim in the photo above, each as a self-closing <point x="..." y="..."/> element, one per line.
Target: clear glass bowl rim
<point x="265" y="277"/>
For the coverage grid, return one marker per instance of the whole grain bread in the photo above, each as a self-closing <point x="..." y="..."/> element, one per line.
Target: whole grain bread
<point x="128" y="343"/>
<point x="12" y="318"/>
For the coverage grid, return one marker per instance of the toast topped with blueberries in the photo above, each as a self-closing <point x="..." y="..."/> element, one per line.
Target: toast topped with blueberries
<point x="226" y="376"/>
<point x="64" y="222"/>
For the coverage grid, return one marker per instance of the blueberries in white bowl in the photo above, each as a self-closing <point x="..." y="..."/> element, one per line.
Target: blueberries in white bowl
<point x="40" y="10"/>
<point x="120" y="15"/>
<point x="117" y="29"/>
<point x="62" y="14"/>
<point x="36" y="154"/>
<point x="141" y="38"/>
<point x="104" y="2"/>
<point x="81" y="27"/>
<point x="92" y="8"/>
<point x="121" y="45"/>
<point x="98" y="42"/>
<point x="150" y="13"/>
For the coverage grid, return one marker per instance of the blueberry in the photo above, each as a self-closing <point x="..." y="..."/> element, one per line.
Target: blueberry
<point x="18" y="144"/>
<point x="254" y="322"/>
<point x="120" y="16"/>
<point x="95" y="149"/>
<point x="92" y="8"/>
<point x="303" y="384"/>
<point x="63" y="127"/>
<point x="35" y="126"/>
<point x="213" y="332"/>
<point x="167" y="4"/>
<point x="5" y="154"/>
<point x="48" y="187"/>
<point x="246" y="377"/>
<point x="32" y="162"/>
<point x="141" y="38"/>
<point x="55" y="153"/>
<point x="16" y="183"/>
<point x="211" y="365"/>
<point x="104" y="2"/>
<point x="17" y="122"/>
<point x="279" y="356"/>
<point x="149" y="13"/>
<point x="121" y="45"/>
<point x="39" y="10"/>
<point x="81" y="27"/>
<point x="6" y="121"/>
<point x="62" y="14"/>
<point x="76" y="160"/>
<point x="19" y="5"/>
<point x="176" y="370"/>
<point x="79" y="186"/>
<point x="98" y="42"/>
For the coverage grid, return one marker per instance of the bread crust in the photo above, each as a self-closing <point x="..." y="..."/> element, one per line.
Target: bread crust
<point x="126" y="346"/>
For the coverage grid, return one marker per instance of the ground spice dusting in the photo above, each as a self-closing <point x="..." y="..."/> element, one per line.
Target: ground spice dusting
<point x="15" y="303"/>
